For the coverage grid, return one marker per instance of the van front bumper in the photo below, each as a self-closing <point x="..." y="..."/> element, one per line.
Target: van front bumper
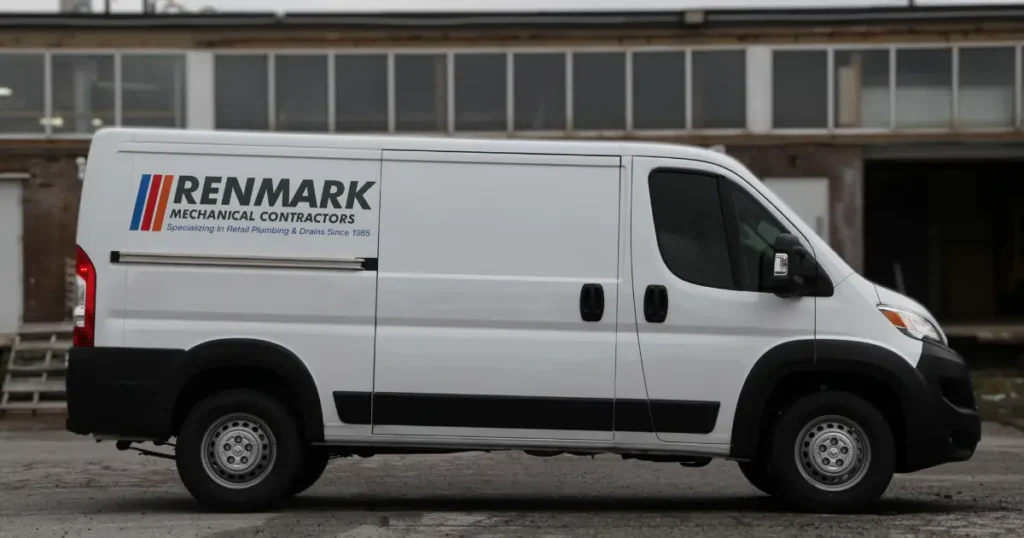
<point x="122" y="393"/>
<point x="944" y="426"/>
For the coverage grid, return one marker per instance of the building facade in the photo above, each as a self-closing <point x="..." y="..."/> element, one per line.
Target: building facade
<point x="824" y="105"/>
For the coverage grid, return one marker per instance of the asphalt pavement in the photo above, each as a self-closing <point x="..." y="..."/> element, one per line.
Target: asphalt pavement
<point x="55" y="484"/>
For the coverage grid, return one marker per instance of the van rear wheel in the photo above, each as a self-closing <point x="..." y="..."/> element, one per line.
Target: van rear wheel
<point x="239" y="451"/>
<point x="313" y="466"/>
<point x="833" y="452"/>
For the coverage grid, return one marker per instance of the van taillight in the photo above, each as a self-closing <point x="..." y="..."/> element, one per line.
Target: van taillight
<point x="84" y="315"/>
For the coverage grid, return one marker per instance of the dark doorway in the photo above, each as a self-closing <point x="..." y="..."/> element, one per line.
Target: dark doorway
<point x="950" y="233"/>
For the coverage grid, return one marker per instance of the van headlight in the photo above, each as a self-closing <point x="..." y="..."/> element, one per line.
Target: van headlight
<point x="913" y="325"/>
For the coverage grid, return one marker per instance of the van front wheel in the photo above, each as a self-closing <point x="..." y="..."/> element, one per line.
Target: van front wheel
<point x="756" y="472"/>
<point x="833" y="452"/>
<point x="239" y="451"/>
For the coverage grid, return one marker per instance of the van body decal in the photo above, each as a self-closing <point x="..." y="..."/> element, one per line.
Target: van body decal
<point x="264" y="205"/>
<point x="151" y="202"/>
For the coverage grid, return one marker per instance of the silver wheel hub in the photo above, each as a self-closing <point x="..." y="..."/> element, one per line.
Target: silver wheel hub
<point x="238" y="451"/>
<point x="832" y="453"/>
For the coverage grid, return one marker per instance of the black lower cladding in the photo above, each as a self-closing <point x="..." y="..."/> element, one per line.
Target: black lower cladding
<point x="952" y="424"/>
<point x="121" y="391"/>
<point x="528" y="413"/>
<point x="132" y="393"/>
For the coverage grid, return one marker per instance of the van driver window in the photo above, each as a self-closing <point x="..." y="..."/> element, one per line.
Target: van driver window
<point x="689" y="227"/>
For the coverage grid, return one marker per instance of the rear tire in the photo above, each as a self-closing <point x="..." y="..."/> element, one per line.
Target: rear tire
<point x="313" y="466"/>
<point x="833" y="452"/>
<point x="756" y="472"/>
<point x="239" y="451"/>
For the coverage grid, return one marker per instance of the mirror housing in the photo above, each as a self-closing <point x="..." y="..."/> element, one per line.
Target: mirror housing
<point x="788" y="269"/>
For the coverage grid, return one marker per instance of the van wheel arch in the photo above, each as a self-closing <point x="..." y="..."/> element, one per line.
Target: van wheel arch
<point x="796" y="368"/>
<point x="248" y="363"/>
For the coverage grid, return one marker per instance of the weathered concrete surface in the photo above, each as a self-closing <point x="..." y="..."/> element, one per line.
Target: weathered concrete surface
<point x="53" y="484"/>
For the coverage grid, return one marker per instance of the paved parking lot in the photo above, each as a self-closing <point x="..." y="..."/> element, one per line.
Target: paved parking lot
<point x="56" y="484"/>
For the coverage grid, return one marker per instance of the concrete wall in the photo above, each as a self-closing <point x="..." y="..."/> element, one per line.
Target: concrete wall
<point x="49" y="221"/>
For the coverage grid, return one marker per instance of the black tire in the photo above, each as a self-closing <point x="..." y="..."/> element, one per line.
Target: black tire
<point x="277" y="460"/>
<point x="756" y="472"/>
<point x="850" y="418"/>
<point x="313" y="465"/>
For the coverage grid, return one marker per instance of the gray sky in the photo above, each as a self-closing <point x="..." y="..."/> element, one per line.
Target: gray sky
<point x="484" y="5"/>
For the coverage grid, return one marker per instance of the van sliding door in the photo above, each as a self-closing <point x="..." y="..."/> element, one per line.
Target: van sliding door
<point x="497" y="298"/>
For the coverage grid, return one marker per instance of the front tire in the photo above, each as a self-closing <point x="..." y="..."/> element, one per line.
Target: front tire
<point x="239" y="451"/>
<point x="756" y="472"/>
<point x="833" y="452"/>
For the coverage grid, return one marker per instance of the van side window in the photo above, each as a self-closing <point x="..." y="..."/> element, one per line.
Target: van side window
<point x="753" y="235"/>
<point x="690" y="228"/>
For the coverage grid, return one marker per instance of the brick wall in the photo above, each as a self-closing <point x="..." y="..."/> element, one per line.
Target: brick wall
<point x="50" y="213"/>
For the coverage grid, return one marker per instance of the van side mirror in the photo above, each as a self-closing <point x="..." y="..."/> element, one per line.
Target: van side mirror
<point x="788" y="267"/>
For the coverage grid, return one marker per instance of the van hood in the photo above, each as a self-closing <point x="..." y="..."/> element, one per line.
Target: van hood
<point x="896" y="299"/>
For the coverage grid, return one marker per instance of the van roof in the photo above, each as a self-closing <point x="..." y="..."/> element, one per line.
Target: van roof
<point x="416" y="143"/>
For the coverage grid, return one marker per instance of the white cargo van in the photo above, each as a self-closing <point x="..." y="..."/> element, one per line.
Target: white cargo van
<point x="269" y="301"/>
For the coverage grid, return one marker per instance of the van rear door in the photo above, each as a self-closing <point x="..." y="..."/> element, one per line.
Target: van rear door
<point x="261" y="243"/>
<point x="497" y="295"/>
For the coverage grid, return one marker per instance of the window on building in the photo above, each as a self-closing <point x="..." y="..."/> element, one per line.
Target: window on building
<point x="800" y="89"/>
<point x="757" y="229"/>
<point x="719" y="89"/>
<point x="421" y="92"/>
<point x="83" y="92"/>
<point x="924" y="88"/>
<point x="689" y="227"/>
<point x="22" y="93"/>
<point x="300" y="92"/>
<point x="862" y="95"/>
<point x="599" y="91"/>
<point x="153" y="90"/>
<point x="481" y="85"/>
<point x="659" y="90"/>
<point x="987" y="87"/>
<point x="361" y="92"/>
<point x="539" y="88"/>
<point x="241" y="92"/>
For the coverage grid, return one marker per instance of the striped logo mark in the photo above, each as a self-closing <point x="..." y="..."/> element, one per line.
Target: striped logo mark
<point x="151" y="202"/>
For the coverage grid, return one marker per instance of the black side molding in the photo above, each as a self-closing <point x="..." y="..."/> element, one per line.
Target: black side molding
<point x="526" y="412"/>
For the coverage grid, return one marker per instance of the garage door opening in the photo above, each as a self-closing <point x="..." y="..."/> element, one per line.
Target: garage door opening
<point x="950" y="234"/>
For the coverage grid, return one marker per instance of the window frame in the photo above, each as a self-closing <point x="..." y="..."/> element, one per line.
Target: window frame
<point x="721" y="211"/>
<point x="272" y="96"/>
<point x="725" y="180"/>
<point x="47" y="132"/>
<point x="732" y="231"/>
<point x="569" y="50"/>
<point x="389" y="98"/>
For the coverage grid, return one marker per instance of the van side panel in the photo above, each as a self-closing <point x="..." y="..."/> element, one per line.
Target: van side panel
<point x="483" y="259"/>
<point x="104" y="191"/>
<point x="239" y="244"/>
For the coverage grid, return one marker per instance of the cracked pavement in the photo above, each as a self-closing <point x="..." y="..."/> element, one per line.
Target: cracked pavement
<point x="54" y="484"/>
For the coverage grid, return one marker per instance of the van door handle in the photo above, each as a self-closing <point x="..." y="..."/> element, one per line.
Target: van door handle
<point x="656" y="303"/>
<point x="592" y="302"/>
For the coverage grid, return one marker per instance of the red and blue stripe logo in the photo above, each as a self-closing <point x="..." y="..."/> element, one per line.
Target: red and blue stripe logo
<point x="151" y="202"/>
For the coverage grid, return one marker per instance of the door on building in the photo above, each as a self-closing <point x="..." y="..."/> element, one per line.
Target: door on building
<point x="10" y="255"/>
<point x="809" y="199"/>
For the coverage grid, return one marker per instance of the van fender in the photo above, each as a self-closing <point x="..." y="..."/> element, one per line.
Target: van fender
<point x="255" y="354"/>
<point x="831" y="356"/>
